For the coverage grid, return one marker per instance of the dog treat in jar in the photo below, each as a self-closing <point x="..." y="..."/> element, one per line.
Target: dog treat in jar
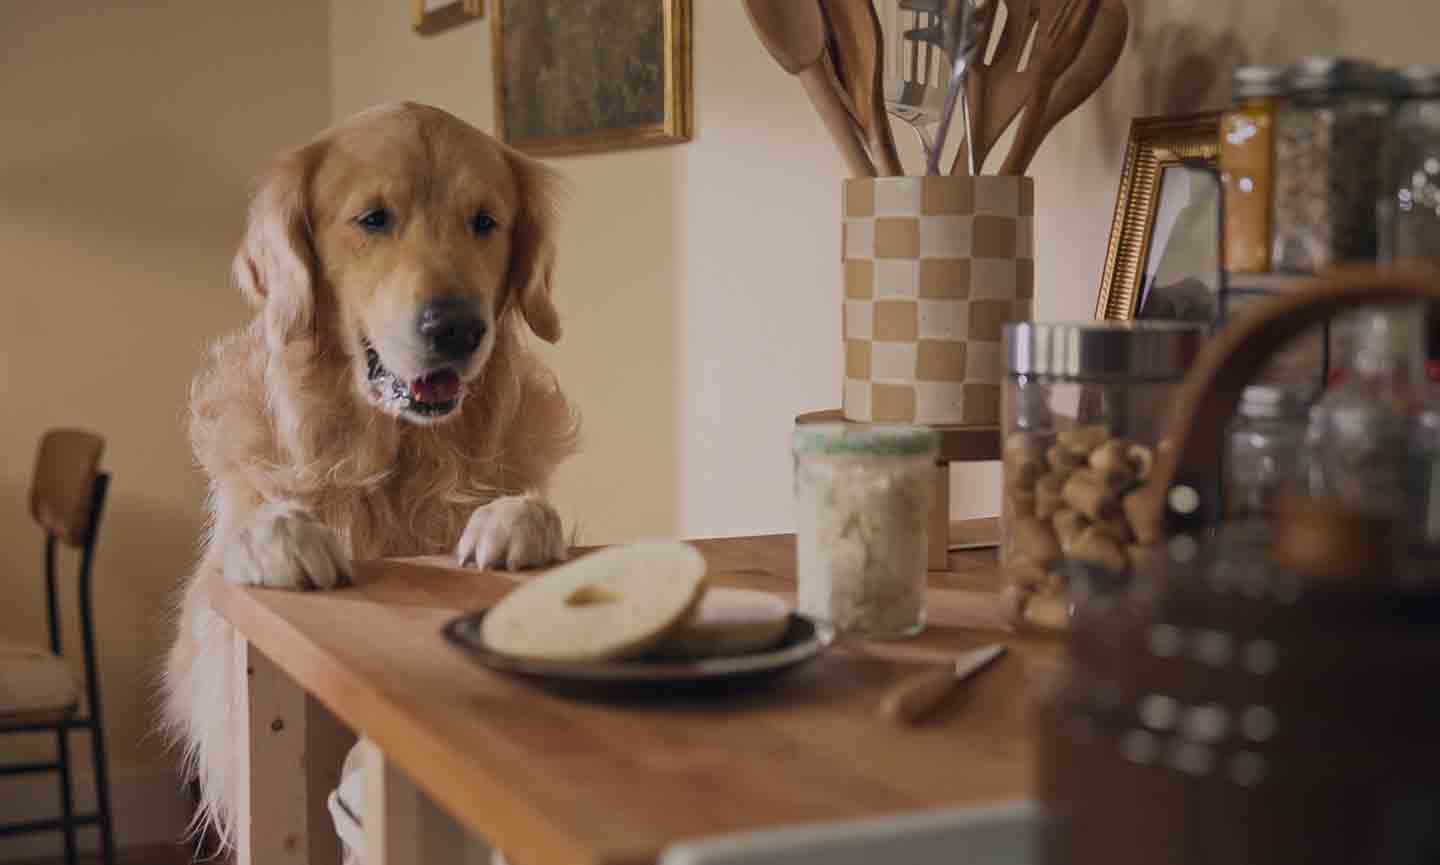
<point x="862" y="509"/>
<point x="1329" y="141"/>
<point x="1083" y="408"/>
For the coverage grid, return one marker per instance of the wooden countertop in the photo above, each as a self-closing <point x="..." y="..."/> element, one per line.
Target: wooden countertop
<point x="553" y="780"/>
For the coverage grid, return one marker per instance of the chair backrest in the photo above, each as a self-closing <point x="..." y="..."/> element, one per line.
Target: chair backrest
<point x="61" y="494"/>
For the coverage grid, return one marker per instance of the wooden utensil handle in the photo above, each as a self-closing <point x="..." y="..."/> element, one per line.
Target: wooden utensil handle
<point x="1031" y="131"/>
<point x="1206" y="400"/>
<point x="837" y="120"/>
<point x="917" y="695"/>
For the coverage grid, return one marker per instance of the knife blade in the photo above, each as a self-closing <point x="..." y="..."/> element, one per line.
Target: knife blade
<point x="918" y="695"/>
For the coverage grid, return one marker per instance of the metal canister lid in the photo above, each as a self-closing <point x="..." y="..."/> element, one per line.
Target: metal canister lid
<point x="1103" y="350"/>
<point x="1271" y="401"/>
<point x="1257" y="82"/>
<point x="1329" y="74"/>
<point x="1418" y="81"/>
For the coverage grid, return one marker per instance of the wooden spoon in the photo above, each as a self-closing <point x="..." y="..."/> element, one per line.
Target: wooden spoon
<point x="1063" y="38"/>
<point x="997" y="89"/>
<point x="858" y="58"/>
<point x="1003" y="89"/>
<point x="793" y="31"/>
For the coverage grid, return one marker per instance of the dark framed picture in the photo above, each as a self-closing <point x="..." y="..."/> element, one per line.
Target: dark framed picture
<point x="1163" y="260"/>
<point x="429" y="17"/>
<point x="579" y="76"/>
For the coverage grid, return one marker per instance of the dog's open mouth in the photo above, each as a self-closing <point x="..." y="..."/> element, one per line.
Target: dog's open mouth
<point x="432" y="395"/>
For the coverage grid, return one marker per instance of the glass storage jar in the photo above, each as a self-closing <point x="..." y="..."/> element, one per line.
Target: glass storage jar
<point x="1083" y="409"/>
<point x="1247" y="158"/>
<point x="863" y="495"/>
<point x="1263" y="452"/>
<point x="1329" y="133"/>
<point x="1411" y="205"/>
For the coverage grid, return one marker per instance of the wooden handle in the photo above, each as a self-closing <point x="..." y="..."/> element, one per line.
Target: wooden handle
<point x="821" y="88"/>
<point x="918" y="695"/>
<point x="1032" y="128"/>
<point x="1206" y="400"/>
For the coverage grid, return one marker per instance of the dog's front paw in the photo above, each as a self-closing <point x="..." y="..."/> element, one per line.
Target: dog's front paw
<point x="513" y="532"/>
<point x="283" y="547"/>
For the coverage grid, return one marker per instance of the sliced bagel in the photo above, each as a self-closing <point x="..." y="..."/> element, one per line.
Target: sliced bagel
<point x="614" y="604"/>
<point x="729" y="622"/>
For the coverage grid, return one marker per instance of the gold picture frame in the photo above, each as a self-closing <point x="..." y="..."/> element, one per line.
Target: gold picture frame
<point x="1155" y="144"/>
<point x="672" y="109"/>
<point x="429" y="18"/>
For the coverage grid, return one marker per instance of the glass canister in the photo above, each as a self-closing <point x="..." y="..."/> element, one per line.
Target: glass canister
<point x="1411" y="205"/>
<point x="1247" y="158"/>
<point x="1083" y="409"/>
<point x="1263" y="451"/>
<point x="863" y="495"/>
<point x="1329" y="134"/>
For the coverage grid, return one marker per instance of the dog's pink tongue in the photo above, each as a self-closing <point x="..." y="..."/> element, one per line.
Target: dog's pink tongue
<point x="437" y="387"/>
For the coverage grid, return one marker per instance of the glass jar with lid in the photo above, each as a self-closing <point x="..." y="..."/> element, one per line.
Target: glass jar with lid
<point x="1329" y="134"/>
<point x="863" y="495"/>
<point x="1411" y="204"/>
<point x="1264" y="445"/>
<point x="1247" y="157"/>
<point x="1083" y="412"/>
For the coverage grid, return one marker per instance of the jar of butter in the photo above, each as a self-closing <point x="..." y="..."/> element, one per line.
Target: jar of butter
<point x="863" y="495"/>
<point x="1083" y="411"/>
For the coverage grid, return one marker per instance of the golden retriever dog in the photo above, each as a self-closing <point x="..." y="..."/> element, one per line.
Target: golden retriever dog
<point x="382" y="401"/>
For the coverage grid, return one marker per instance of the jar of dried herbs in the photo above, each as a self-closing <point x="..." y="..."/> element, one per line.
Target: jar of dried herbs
<point x="1247" y="158"/>
<point x="1329" y="134"/>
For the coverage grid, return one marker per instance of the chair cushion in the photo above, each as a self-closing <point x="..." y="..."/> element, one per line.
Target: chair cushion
<point x="32" y="680"/>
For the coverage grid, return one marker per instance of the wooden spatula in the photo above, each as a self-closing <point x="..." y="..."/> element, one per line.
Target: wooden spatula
<point x="1001" y="88"/>
<point x="996" y="89"/>
<point x="1053" y="54"/>
<point x="793" y="31"/>
<point x="858" y="45"/>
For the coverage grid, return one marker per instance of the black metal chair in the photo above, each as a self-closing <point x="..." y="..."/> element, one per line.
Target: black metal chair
<point x="66" y="500"/>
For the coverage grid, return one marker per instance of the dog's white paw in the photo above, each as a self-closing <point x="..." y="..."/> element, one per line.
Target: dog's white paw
<point x="283" y="547"/>
<point x="513" y="532"/>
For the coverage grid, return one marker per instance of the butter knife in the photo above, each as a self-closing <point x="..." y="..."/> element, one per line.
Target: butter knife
<point x="918" y="695"/>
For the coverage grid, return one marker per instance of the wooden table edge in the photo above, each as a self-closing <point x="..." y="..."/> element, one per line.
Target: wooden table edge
<point x="320" y="676"/>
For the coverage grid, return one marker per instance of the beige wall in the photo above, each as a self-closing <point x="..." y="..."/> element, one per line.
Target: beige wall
<point x="131" y="134"/>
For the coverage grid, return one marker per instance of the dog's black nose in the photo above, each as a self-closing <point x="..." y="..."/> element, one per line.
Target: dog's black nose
<point x="452" y="328"/>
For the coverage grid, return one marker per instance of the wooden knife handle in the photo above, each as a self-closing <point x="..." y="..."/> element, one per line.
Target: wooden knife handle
<point x="917" y="695"/>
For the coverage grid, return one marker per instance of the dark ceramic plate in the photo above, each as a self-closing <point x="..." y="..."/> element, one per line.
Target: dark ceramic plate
<point x="804" y="640"/>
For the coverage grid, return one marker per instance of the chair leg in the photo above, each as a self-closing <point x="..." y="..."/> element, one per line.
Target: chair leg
<point x="102" y="794"/>
<point x="67" y="802"/>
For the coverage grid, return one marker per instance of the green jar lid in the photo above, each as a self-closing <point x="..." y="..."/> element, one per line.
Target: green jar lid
<point x="852" y="439"/>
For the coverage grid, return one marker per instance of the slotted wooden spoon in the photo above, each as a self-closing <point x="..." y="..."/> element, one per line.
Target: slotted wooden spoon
<point x="999" y="89"/>
<point x="1062" y="40"/>
<point x="858" y="45"/>
<point x="793" y="31"/>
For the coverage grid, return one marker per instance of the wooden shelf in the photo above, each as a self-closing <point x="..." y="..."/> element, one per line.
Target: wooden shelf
<point x="958" y="444"/>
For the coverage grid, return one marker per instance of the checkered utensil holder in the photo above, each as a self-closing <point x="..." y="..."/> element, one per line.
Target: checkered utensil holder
<point x="933" y="268"/>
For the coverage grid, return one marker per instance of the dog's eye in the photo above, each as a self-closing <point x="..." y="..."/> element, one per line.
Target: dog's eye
<point x="374" y="221"/>
<point x="482" y="224"/>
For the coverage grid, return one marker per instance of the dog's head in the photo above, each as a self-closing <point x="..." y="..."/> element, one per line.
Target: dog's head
<point x="403" y="240"/>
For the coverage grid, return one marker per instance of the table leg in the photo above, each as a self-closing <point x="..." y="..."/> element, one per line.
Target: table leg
<point x="290" y="749"/>
<point x="393" y="808"/>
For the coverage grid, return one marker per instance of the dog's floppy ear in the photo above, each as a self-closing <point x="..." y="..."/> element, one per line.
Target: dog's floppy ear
<point x="532" y="246"/>
<point x="276" y="264"/>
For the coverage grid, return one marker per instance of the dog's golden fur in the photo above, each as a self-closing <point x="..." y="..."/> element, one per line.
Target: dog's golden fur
<point x="279" y="413"/>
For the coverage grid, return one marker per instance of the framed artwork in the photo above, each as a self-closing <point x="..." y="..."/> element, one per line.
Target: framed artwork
<point x="1163" y="259"/>
<point x="429" y="17"/>
<point x="580" y="76"/>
